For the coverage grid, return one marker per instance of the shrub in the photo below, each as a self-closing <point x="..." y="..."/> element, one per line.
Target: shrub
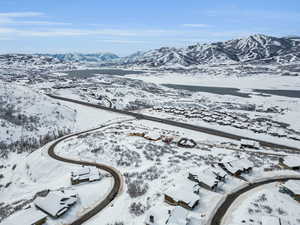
<point x="137" y="188"/>
<point x="137" y="209"/>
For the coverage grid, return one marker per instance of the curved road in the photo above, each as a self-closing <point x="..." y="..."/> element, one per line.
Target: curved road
<point x="178" y="124"/>
<point x="118" y="181"/>
<point x="216" y="218"/>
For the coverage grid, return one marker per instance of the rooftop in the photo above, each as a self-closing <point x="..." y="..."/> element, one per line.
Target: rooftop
<point x="206" y="176"/>
<point x="183" y="192"/>
<point x="55" y="203"/>
<point x="178" y="216"/>
<point x="292" y="161"/>
<point x="293" y="185"/>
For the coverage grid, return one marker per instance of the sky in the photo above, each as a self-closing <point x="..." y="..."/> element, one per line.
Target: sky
<point x="126" y="26"/>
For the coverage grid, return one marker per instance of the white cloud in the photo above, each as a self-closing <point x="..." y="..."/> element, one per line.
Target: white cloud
<point x="123" y="41"/>
<point x="84" y="32"/>
<point x="13" y="18"/>
<point x="21" y="14"/>
<point x="6" y="30"/>
<point x="46" y="23"/>
<point x="196" y="25"/>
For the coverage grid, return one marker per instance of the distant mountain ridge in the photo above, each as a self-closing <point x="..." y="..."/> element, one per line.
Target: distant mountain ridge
<point x="255" y="48"/>
<point x="84" y="57"/>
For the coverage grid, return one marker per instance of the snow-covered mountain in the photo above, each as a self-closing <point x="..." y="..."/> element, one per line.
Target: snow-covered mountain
<point x="80" y="57"/>
<point x="258" y="47"/>
<point x="27" y="59"/>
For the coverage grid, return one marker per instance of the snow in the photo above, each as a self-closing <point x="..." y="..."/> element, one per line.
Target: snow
<point x="244" y="83"/>
<point x="88" y="117"/>
<point x="262" y="201"/>
<point x="270" y="220"/>
<point x="158" y="166"/>
<point x="184" y="191"/>
<point x="205" y="175"/>
<point x="28" y="217"/>
<point x="251" y="143"/>
<point x="55" y="203"/>
<point x="292" y="161"/>
<point x="178" y="216"/>
<point x="160" y="216"/>
<point x="293" y="185"/>
<point x="239" y="164"/>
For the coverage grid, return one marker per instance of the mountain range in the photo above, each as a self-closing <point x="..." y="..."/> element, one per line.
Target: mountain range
<point x="256" y="48"/>
<point x="81" y="57"/>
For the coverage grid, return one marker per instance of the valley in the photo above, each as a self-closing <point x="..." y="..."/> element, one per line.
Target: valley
<point x="210" y="131"/>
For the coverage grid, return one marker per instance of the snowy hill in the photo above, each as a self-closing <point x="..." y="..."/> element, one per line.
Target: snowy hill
<point x="258" y="48"/>
<point x="80" y="57"/>
<point x="27" y="59"/>
<point x="28" y="118"/>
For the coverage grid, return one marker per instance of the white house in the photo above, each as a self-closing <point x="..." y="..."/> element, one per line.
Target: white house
<point x="292" y="188"/>
<point x="178" y="216"/>
<point x="85" y="174"/>
<point x="246" y="143"/>
<point x="237" y="167"/>
<point x="183" y="195"/>
<point x="207" y="178"/>
<point x="157" y="216"/>
<point x="56" y="203"/>
<point x="290" y="162"/>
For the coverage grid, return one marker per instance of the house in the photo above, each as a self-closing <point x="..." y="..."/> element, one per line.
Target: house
<point x="152" y="219"/>
<point x="182" y="195"/>
<point x="206" y="178"/>
<point x="167" y="140"/>
<point x="292" y="188"/>
<point x="245" y="143"/>
<point x="237" y="167"/>
<point x="178" y="216"/>
<point x="153" y="136"/>
<point x="220" y="174"/>
<point x="29" y="216"/>
<point x="290" y="162"/>
<point x="85" y="174"/>
<point x="186" y="143"/>
<point x="56" y="203"/>
<point x="156" y="216"/>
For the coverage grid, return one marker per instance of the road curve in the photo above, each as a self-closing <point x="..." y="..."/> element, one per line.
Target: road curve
<point x="219" y="213"/>
<point x="118" y="180"/>
<point x="177" y="124"/>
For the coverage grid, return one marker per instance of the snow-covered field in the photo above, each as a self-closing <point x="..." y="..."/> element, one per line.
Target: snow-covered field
<point x="260" y="81"/>
<point x="149" y="168"/>
<point x="263" y="201"/>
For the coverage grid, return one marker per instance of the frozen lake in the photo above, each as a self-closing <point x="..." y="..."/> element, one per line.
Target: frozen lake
<point x="213" y="90"/>
<point x="235" y="91"/>
<point x="92" y="72"/>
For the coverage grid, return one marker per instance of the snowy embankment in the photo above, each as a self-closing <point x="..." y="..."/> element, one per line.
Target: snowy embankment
<point x="25" y="174"/>
<point x="262" y="201"/>
<point x="260" y="81"/>
<point x="37" y="172"/>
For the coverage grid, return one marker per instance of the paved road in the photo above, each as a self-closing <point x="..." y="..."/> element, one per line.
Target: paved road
<point x="118" y="181"/>
<point x="178" y="124"/>
<point x="216" y="218"/>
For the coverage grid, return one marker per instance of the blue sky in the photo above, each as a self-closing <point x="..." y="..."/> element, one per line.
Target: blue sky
<point x="124" y="27"/>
